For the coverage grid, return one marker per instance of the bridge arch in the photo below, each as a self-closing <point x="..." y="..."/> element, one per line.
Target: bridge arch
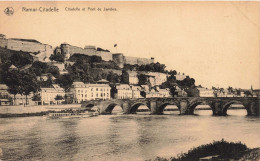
<point x="90" y="105"/>
<point x="110" y="107"/>
<point x="193" y="106"/>
<point x="163" y="106"/>
<point x="227" y="105"/>
<point x="135" y="107"/>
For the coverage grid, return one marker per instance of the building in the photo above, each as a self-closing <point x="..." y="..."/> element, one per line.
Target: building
<point x="123" y="91"/>
<point x="159" y="78"/>
<point x="133" y="78"/>
<point x="155" y="92"/>
<point x="180" y="92"/>
<point x="53" y="95"/>
<point x="136" y="91"/>
<point x="84" y="92"/>
<point x="200" y="92"/>
<point x="164" y="93"/>
<point x="204" y="92"/>
<point x="5" y="98"/>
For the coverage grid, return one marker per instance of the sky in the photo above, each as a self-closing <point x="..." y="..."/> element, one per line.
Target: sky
<point x="217" y="43"/>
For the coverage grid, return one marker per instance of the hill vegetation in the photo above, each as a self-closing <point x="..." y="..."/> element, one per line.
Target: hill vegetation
<point x="223" y="150"/>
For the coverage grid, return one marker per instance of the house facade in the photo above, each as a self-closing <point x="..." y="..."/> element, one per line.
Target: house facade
<point x="83" y="92"/>
<point x="124" y="91"/>
<point x="53" y="95"/>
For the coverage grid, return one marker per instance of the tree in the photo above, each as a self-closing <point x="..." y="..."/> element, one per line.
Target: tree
<point x="38" y="68"/>
<point x="125" y="77"/>
<point x="57" y="57"/>
<point x="113" y="77"/>
<point x="58" y="97"/>
<point x="143" y="79"/>
<point x="20" y="82"/>
<point x="29" y="85"/>
<point x="19" y="59"/>
<point x="54" y="70"/>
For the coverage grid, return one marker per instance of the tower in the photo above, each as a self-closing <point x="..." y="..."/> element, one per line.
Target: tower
<point x="119" y="59"/>
<point x="65" y="50"/>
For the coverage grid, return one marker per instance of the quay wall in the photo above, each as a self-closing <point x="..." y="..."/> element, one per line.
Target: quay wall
<point x="35" y="109"/>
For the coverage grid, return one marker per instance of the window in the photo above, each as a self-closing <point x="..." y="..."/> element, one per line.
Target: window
<point x="101" y="94"/>
<point x="97" y="95"/>
<point x="85" y="95"/>
<point x="96" y="89"/>
<point x="91" y="89"/>
<point x="101" y="89"/>
<point x="78" y="91"/>
<point x="91" y="94"/>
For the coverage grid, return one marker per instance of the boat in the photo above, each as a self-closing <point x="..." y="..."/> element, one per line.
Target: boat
<point x="72" y="113"/>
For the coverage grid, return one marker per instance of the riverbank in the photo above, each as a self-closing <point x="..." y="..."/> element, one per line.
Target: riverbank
<point x="25" y="111"/>
<point x="218" y="150"/>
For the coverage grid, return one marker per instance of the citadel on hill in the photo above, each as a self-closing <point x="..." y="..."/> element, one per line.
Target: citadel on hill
<point x="73" y="74"/>
<point x="44" y="51"/>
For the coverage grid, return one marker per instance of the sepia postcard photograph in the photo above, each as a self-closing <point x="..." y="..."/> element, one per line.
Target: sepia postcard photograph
<point x="130" y="81"/>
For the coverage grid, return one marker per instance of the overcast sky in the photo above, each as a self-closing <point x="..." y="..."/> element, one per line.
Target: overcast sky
<point x="217" y="43"/>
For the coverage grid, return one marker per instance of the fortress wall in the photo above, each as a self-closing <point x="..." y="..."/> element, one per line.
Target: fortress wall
<point x="107" y="56"/>
<point x="26" y="46"/>
<point x="142" y="61"/>
<point x="3" y="43"/>
<point x="139" y="61"/>
<point x="90" y="52"/>
<point x="75" y="49"/>
<point x="130" y="60"/>
<point x="49" y="50"/>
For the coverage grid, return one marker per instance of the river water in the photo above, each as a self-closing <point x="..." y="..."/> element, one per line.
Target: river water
<point x="121" y="137"/>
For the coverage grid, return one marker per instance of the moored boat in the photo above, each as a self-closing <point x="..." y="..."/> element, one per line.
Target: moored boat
<point x="70" y="113"/>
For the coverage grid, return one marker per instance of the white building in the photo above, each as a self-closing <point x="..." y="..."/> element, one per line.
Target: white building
<point x="83" y="92"/>
<point x="124" y="91"/>
<point x="164" y="92"/>
<point x="133" y="78"/>
<point x="204" y="92"/>
<point x="159" y="77"/>
<point x="136" y="90"/>
<point x="54" y="95"/>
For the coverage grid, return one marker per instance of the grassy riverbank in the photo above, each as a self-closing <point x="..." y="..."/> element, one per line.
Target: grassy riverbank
<point x="218" y="150"/>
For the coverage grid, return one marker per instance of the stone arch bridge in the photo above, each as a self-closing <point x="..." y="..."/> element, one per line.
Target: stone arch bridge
<point x="186" y="105"/>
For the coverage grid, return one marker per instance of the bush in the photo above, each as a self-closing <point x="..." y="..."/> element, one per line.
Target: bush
<point x="222" y="148"/>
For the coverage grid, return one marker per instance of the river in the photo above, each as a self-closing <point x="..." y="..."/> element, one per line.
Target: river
<point x="121" y="137"/>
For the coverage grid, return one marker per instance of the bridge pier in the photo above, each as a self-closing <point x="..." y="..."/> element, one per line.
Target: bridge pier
<point x="251" y="110"/>
<point x="218" y="109"/>
<point x="126" y="108"/>
<point x="153" y="107"/>
<point x="185" y="109"/>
